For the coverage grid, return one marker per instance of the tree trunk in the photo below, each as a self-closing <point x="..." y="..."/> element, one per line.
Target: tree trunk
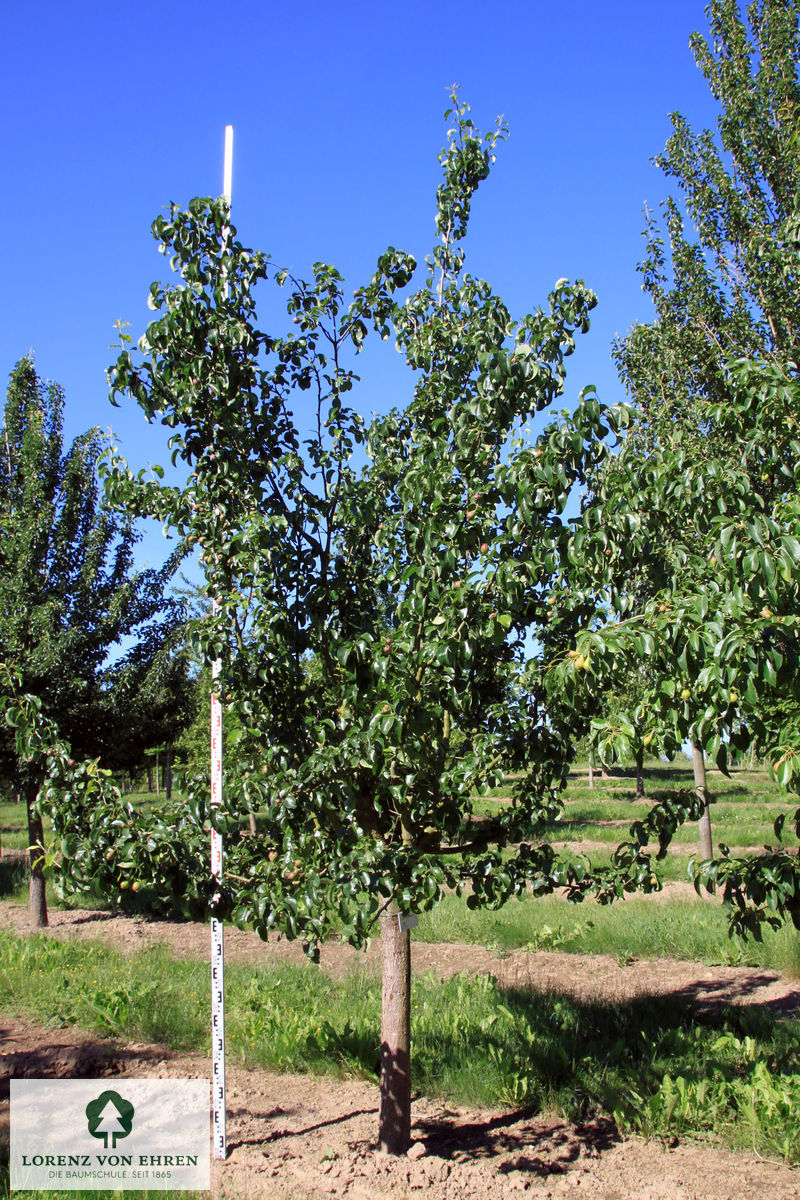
<point x="37" y="898"/>
<point x="149" y="776"/>
<point x="591" y="776"/>
<point x="701" y="791"/>
<point x="640" y="775"/>
<point x="168" y="774"/>
<point x="158" y="777"/>
<point x="395" y="1111"/>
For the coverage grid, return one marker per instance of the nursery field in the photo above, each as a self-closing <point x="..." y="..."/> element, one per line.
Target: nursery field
<point x="549" y="1039"/>
<point x="594" y="820"/>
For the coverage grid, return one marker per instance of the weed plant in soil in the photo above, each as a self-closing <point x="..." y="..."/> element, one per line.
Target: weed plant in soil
<point x="651" y="1064"/>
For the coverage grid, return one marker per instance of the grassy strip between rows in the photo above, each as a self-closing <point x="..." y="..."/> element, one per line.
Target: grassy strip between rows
<point x="648" y="1063"/>
<point x="637" y="928"/>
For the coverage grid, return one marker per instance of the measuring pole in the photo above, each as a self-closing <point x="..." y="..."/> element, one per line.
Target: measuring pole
<point x="217" y="935"/>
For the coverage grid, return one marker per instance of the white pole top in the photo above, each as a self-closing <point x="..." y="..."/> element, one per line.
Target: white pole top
<point x="228" y="173"/>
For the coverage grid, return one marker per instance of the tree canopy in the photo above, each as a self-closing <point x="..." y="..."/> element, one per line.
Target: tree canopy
<point x="409" y="560"/>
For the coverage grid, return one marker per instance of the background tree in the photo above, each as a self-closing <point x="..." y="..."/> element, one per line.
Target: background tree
<point x="700" y="503"/>
<point x="729" y="288"/>
<point x="68" y="592"/>
<point x="153" y="698"/>
<point x="407" y="560"/>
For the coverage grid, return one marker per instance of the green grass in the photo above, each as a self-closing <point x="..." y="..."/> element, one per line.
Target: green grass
<point x="743" y="810"/>
<point x="637" y="928"/>
<point x="648" y="1063"/>
<point x="13" y="878"/>
<point x="13" y="826"/>
<point x="7" y="1194"/>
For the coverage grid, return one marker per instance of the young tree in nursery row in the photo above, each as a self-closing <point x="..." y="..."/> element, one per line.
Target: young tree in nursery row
<point x="376" y="584"/>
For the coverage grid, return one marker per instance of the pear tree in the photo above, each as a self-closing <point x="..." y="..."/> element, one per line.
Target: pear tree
<point x="378" y="585"/>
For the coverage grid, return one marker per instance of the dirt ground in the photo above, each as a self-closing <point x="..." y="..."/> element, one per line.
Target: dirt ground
<point x="293" y="1137"/>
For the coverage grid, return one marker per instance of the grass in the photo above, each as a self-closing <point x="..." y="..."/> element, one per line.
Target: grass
<point x="743" y="811"/>
<point x="7" y="1194"/>
<point x="651" y="1065"/>
<point x="637" y="928"/>
<point x="13" y="826"/>
<point x="648" y="1063"/>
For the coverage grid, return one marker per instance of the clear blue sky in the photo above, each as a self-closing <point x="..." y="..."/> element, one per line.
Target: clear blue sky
<point x="112" y="111"/>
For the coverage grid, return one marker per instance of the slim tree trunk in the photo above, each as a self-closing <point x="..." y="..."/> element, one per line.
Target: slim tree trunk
<point x="149" y="776"/>
<point x="591" y="774"/>
<point x="168" y="773"/>
<point x="158" y="777"/>
<point x="395" y="1111"/>
<point x="37" y="898"/>
<point x="640" y="775"/>
<point x="701" y="791"/>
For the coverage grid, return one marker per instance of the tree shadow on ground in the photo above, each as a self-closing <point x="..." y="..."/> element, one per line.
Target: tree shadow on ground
<point x="63" y="1058"/>
<point x="595" y="1057"/>
<point x="557" y="1144"/>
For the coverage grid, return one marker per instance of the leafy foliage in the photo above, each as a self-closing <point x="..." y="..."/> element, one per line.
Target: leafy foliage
<point x="68" y="591"/>
<point x="692" y="535"/>
<point x="376" y="585"/>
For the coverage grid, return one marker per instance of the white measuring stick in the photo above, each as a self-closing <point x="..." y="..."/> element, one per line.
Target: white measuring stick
<point x="217" y="934"/>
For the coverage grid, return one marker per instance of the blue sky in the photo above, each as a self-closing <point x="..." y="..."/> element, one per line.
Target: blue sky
<point x="113" y="111"/>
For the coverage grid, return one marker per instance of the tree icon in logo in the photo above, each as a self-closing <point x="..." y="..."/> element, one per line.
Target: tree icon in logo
<point x="109" y="1116"/>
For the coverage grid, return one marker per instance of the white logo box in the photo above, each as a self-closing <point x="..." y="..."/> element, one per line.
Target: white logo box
<point x="110" y="1134"/>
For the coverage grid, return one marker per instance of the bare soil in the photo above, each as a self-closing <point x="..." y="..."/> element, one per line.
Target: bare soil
<point x="294" y="1137"/>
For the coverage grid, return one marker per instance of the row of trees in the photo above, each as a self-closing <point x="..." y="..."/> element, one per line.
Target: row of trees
<point x="379" y="586"/>
<point x="697" y="515"/>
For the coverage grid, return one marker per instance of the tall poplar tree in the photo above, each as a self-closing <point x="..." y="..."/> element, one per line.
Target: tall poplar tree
<point x="723" y="272"/>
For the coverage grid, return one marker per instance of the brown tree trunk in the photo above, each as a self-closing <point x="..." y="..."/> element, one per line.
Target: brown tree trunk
<point x="640" y="775"/>
<point x="149" y="776"/>
<point x="168" y="773"/>
<point x="158" y="777"/>
<point x="701" y="791"/>
<point x="395" y="1111"/>
<point x="37" y="898"/>
<point x="591" y="776"/>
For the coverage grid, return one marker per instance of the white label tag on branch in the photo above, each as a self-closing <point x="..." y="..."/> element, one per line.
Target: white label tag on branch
<point x="407" y="921"/>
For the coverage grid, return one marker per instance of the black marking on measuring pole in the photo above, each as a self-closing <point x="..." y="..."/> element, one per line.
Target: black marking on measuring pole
<point x="218" y="1037"/>
<point x="217" y="940"/>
